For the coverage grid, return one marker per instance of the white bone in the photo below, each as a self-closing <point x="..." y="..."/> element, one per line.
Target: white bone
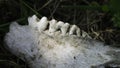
<point x="64" y="28"/>
<point x="59" y="24"/>
<point x="44" y="51"/>
<point x="52" y="25"/>
<point x="78" y="31"/>
<point x="72" y="29"/>
<point x="42" y="24"/>
<point x="32" y="21"/>
<point x="75" y="29"/>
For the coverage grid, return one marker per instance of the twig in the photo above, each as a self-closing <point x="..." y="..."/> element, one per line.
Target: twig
<point x="30" y="8"/>
<point x="47" y="3"/>
<point x="56" y="6"/>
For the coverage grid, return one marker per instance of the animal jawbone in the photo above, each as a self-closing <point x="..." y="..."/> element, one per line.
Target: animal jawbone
<point x="59" y="46"/>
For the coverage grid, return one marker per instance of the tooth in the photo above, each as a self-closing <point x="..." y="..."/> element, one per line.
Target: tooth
<point x="59" y="24"/>
<point x="78" y="31"/>
<point x="75" y="29"/>
<point x="42" y="24"/>
<point x="64" y="28"/>
<point x="32" y="20"/>
<point x="72" y="29"/>
<point x="52" y="26"/>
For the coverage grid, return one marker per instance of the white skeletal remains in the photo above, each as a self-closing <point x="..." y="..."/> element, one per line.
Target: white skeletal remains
<point x="59" y="46"/>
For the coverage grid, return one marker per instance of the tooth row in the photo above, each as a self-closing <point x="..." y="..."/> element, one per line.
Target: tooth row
<point x="65" y="28"/>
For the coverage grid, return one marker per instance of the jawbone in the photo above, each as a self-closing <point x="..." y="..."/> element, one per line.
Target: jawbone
<point x="59" y="46"/>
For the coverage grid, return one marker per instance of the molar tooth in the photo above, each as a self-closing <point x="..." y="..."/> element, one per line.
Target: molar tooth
<point x="42" y="24"/>
<point x="59" y="24"/>
<point x="34" y="18"/>
<point x="75" y="29"/>
<point x="52" y="25"/>
<point x="32" y="21"/>
<point x="72" y="29"/>
<point x="64" y="28"/>
<point x="78" y="31"/>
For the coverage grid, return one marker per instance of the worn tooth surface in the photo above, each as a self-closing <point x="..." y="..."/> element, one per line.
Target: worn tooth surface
<point x="32" y="20"/>
<point x="52" y="25"/>
<point x="59" y="24"/>
<point x="72" y="29"/>
<point x="64" y="28"/>
<point x="78" y="31"/>
<point x="42" y="24"/>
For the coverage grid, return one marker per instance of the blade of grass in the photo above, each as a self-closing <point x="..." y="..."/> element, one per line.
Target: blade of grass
<point x="3" y="25"/>
<point x="6" y="24"/>
<point x="7" y="62"/>
<point x="30" y="8"/>
<point x="47" y="3"/>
